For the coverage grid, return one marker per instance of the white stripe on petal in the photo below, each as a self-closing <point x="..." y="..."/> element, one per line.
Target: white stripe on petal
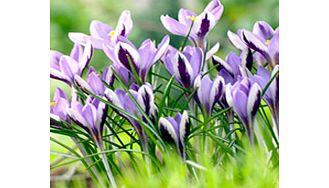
<point x="212" y="51"/>
<point x="224" y="64"/>
<point x="166" y="125"/>
<point x="83" y="84"/>
<point x="215" y="89"/>
<point x="253" y="98"/>
<point x="182" y="126"/>
<point x="113" y="98"/>
<point x="228" y="94"/>
<point x="236" y="40"/>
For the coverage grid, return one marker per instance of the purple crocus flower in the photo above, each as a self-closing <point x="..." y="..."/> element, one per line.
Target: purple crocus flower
<point x="94" y="83"/>
<point x="209" y="92"/>
<point x="64" y="68"/>
<point x="185" y="65"/>
<point x="141" y="59"/>
<point x="145" y="98"/>
<point x="271" y="96"/>
<point x="101" y="33"/>
<point x="269" y="48"/>
<point x="176" y="130"/>
<point x="91" y="117"/>
<point x="263" y="39"/>
<point x="58" y="106"/>
<point x="202" y="23"/>
<point x="230" y="68"/>
<point x="245" y="99"/>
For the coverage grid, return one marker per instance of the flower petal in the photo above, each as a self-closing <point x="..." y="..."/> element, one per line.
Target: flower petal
<point x="99" y="29"/>
<point x="173" y="26"/>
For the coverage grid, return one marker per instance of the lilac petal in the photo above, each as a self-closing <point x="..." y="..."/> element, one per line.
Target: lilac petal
<point x="263" y="29"/>
<point x="273" y="47"/>
<point x="147" y="52"/>
<point x="59" y="93"/>
<point x="226" y="76"/>
<point x="113" y="98"/>
<point x="162" y="48"/>
<point x="216" y="8"/>
<point x="82" y="84"/>
<point x="96" y="83"/>
<point x="91" y="70"/>
<point x="222" y="64"/>
<point x="216" y="91"/>
<point x="196" y="59"/>
<point x="54" y="59"/>
<point x="75" y="112"/>
<point x="184" y="15"/>
<point x="60" y="108"/>
<point x="255" y="43"/>
<point x="145" y="98"/>
<point x="56" y="74"/>
<point x="68" y="66"/>
<point x="89" y="114"/>
<point x="253" y="100"/>
<point x="182" y="69"/>
<point x="247" y="58"/>
<point x="264" y="73"/>
<point x="174" y="26"/>
<point x="234" y="61"/>
<point x="240" y="105"/>
<point x="79" y="38"/>
<point x="203" y="24"/>
<point x="86" y="57"/>
<point x="184" y="126"/>
<point x="204" y="92"/>
<point x="99" y="29"/>
<point x="125" y="24"/>
<point x="76" y="52"/>
<point x="167" y="130"/>
<point x="236" y="40"/>
<point x="123" y="51"/>
<point x="212" y="51"/>
<point x="101" y="114"/>
<point x="108" y="76"/>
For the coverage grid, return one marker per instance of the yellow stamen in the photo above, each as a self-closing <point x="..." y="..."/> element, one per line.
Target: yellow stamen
<point x="111" y="34"/>
<point x="52" y="103"/>
<point x="267" y="42"/>
<point x="193" y="18"/>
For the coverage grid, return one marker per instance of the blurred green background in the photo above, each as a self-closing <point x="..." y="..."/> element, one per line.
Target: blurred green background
<point x="76" y="15"/>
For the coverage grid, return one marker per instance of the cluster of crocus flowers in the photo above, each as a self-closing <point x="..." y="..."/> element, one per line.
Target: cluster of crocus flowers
<point x="197" y="26"/>
<point x="124" y="87"/>
<point x="144" y="97"/>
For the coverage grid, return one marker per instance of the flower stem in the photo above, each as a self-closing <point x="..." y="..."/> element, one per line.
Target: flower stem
<point x="107" y="166"/>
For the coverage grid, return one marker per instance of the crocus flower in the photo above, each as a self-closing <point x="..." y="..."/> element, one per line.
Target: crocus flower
<point x="58" y="106"/>
<point x="185" y="65"/>
<point x="145" y="98"/>
<point x="263" y="39"/>
<point x="94" y="83"/>
<point x="209" y="92"/>
<point x="230" y="68"/>
<point x="141" y="59"/>
<point x="101" y="33"/>
<point x="91" y="117"/>
<point x="202" y="23"/>
<point x="271" y="96"/>
<point x="268" y="49"/>
<point x="176" y="130"/>
<point x="64" y="68"/>
<point x="245" y="99"/>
